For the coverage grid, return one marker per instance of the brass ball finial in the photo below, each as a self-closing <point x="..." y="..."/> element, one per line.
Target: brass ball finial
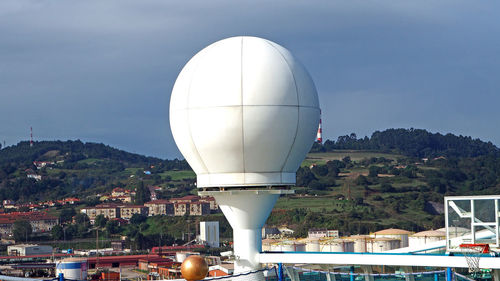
<point x="194" y="268"/>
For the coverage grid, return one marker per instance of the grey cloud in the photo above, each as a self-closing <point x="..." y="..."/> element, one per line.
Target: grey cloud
<point x="103" y="70"/>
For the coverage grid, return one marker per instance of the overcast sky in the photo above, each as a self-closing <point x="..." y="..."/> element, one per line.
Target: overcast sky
<point x="102" y="71"/>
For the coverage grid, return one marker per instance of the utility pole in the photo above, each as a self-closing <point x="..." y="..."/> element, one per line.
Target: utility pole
<point x="97" y="248"/>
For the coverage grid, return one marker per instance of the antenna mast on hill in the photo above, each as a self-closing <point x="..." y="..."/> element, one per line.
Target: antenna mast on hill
<point x="31" y="136"/>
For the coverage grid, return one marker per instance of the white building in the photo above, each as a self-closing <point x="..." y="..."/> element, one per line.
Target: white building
<point x="209" y="233"/>
<point x="322" y="232"/>
<point x="28" y="250"/>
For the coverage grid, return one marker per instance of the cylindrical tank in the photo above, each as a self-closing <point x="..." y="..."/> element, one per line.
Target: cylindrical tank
<point x="360" y="242"/>
<point x="456" y="231"/>
<point x="288" y="246"/>
<point x="378" y="245"/>
<point x="336" y="245"/>
<point x="72" y="268"/>
<point x="312" y="245"/>
<point x="266" y="244"/>
<point x="394" y="233"/>
<point x="426" y="237"/>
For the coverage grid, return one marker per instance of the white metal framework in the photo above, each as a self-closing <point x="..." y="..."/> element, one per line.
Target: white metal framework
<point x="472" y="220"/>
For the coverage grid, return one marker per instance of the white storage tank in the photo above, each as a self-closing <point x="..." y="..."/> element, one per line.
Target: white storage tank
<point x="266" y="244"/>
<point x="312" y="245"/>
<point x="382" y="244"/>
<point x="360" y="242"/>
<point x="72" y="268"/>
<point x="395" y="233"/>
<point x="456" y="231"/>
<point x="426" y="237"/>
<point x="288" y="246"/>
<point x="336" y="245"/>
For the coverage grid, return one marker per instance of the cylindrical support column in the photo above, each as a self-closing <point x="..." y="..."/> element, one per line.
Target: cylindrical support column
<point x="246" y="211"/>
<point x="247" y="246"/>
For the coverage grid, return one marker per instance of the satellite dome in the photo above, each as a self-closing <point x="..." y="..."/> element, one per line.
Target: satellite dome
<point x="244" y="112"/>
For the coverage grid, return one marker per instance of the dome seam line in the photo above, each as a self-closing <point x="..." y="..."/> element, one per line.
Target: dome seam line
<point x="189" y="119"/>
<point x="248" y="105"/>
<point x="242" y="110"/>
<point x="298" y="108"/>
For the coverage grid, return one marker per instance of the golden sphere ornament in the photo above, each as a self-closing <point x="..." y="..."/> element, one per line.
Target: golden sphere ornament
<point x="194" y="268"/>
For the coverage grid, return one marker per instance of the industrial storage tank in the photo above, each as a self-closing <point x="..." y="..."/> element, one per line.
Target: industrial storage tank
<point x="360" y="242"/>
<point x="456" y="231"/>
<point x="382" y="244"/>
<point x="395" y="233"/>
<point x="266" y="244"/>
<point x="72" y="268"/>
<point x="336" y="245"/>
<point x="312" y="245"/>
<point x="288" y="246"/>
<point x="426" y="237"/>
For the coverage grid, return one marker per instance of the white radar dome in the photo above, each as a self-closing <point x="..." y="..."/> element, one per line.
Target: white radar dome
<point x="244" y="112"/>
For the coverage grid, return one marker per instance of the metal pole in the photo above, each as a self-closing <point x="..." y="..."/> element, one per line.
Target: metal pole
<point x="473" y="221"/>
<point x="449" y="274"/>
<point x="446" y="223"/>
<point x="496" y="224"/>
<point x="351" y="273"/>
<point x="280" y="272"/>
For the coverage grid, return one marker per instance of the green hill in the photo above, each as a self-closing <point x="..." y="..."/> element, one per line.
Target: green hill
<point x="395" y="178"/>
<point x="75" y="168"/>
<point x="361" y="191"/>
<point x="414" y="143"/>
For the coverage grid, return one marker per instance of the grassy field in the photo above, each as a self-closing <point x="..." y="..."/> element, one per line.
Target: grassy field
<point x="321" y="158"/>
<point x="90" y="161"/>
<point x="178" y="175"/>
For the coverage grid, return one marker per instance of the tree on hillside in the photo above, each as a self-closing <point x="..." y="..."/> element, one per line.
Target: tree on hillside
<point x="100" y="221"/>
<point x="304" y="176"/>
<point x="142" y="194"/>
<point x="137" y="219"/>
<point x="57" y="232"/>
<point x="66" y="215"/>
<point x="112" y="227"/>
<point x="82" y="218"/>
<point x="21" y="229"/>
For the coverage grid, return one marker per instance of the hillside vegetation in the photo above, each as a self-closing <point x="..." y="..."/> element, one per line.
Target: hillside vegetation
<point x="414" y="143"/>
<point x="395" y="178"/>
<point x="81" y="169"/>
